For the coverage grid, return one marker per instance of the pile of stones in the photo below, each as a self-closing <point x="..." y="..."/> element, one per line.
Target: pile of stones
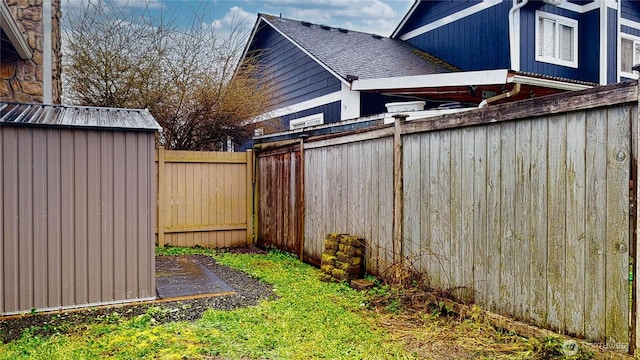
<point x="342" y="259"/>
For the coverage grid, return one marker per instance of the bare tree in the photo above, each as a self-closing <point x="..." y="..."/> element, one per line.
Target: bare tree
<point x="188" y="78"/>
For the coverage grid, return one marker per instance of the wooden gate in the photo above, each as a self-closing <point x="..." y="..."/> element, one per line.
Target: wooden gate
<point x="204" y="198"/>
<point x="280" y="200"/>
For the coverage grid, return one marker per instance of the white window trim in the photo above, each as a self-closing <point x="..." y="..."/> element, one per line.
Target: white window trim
<point x="635" y="39"/>
<point x="559" y="20"/>
<point x="303" y="122"/>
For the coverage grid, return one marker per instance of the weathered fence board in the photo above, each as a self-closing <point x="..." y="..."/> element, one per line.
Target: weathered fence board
<point x="279" y="198"/>
<point x="527" y="212"/>
<point x="336" y="190"/>
<point x="204" y="198"/>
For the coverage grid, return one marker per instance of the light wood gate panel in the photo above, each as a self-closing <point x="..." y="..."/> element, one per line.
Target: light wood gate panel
<point x="205" y="198"/>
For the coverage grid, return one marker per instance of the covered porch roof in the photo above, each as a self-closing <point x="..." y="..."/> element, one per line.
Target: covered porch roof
<point x="469" y="87"/>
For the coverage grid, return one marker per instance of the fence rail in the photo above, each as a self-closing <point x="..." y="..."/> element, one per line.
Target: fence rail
<point x="204" y="198"/>
<point x="524" y="205"/>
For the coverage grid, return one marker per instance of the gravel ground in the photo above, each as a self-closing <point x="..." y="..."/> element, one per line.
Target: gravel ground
<point x="249" y="292"/>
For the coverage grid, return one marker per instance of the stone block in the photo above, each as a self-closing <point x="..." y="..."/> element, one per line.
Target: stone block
<point x="32" y="87"/>
<point x="7" y="71"/>
<point x="362" y="284"/>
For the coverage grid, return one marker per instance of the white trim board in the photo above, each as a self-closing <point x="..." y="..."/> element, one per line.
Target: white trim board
<point x="350" y="107"/>
<point x="485" y="4"/>
<point x="490" y="77"/>
<point x="604" y="28"/>
<point x="47" y="52"/>
<point x="629" y="23"/>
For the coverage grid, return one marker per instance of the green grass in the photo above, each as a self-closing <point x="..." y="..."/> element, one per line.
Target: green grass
<point x="310" y="319"/>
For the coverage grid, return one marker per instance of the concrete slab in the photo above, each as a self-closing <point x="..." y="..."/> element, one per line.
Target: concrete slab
<point x="184" y="276"/>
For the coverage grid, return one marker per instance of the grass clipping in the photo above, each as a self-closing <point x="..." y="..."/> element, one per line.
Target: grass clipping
<point x="434" y="326"/>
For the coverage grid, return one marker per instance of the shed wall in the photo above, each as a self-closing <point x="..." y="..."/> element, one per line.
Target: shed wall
<point x="77" y="218"/>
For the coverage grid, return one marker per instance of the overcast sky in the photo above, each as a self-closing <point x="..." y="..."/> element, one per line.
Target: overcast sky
<point x="372" y="16"/>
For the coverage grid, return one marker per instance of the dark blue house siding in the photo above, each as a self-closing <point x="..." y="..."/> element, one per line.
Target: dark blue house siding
<point x="332" y="113"/>
<point x="298" y="76"/>
<point x="430" y="11"/>
<point x="629" y="30"/>
<point x="630" y="10"/>
<point x="588" y="40"/>
<point x="476" y="42"/>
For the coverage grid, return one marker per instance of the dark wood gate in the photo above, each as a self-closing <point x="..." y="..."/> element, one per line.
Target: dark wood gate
<point x="280" y="201"/>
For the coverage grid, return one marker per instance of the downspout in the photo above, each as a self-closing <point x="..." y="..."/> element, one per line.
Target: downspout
<point x="515" y="91"/>
<point x="514" y="47"/>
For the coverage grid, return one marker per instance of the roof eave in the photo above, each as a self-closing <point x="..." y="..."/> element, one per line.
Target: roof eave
<point x="308" y="53"/>
<point x="466" y="78"/>
<point x="405" y="19"/>
<point x="250" y="40"/>
<point x="10" y="27"/>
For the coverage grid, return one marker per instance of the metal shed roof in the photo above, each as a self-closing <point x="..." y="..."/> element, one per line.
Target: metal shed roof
<point x="77" y="116"/>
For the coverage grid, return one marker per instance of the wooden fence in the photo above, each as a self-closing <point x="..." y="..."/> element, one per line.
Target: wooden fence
<point x="279" y="217"/>
<point x="204" y="198"/>
<point x="525" y="205"/>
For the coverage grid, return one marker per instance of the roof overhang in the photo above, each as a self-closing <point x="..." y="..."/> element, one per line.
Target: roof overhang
<point x="468" y="86"/>
<point x="10" y="28"/>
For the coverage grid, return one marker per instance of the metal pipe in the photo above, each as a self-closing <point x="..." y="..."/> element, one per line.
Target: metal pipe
<point x="515" y="91"/>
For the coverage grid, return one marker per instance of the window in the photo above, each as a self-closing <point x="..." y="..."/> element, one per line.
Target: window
<point x="556" y="39"/>
<point x="303" y="122"/>
<point x="629" y="56"/>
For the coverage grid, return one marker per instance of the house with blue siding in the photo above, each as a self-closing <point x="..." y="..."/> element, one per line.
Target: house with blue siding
<point x="594" y="41"/>
<point x="444" y="53"/>
<point x="313" y="67"/>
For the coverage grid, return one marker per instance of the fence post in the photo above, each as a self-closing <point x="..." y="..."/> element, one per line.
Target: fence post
<point x="397" y="191"/>
<point x="249" y="190"/>
<point x="635" y="211"/>
<point x="161" y="195"/>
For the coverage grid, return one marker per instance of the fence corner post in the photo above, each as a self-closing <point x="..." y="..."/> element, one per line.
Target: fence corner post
<point x="160" y="198"/>
<point x="635" y="250"/>
<point x="397" y="190"/>
<point x="249" y="189"/>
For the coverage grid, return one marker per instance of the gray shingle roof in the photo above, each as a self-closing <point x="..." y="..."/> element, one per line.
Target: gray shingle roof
<point x="76" y="116"/>
<point x="355" y="53"/>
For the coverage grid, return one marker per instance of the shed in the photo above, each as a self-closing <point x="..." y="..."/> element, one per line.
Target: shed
<point x="77" y="187"/>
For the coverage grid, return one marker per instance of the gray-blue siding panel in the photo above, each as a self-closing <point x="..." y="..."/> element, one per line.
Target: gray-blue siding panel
<point x="430" y="11"/>
<point x="629" y="30"/>
<point x="612" y="46"/>
<point x="297" y="75"/>
<point x="476" y="42"/>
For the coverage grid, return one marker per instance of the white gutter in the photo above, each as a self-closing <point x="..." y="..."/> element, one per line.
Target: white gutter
<point x="9" y="26"/>
<point x="514" y="37"/>
<point x="549" y="83"/>
<point x="489" y="77"/>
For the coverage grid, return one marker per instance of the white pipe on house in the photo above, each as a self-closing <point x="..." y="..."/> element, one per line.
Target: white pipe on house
<point x="515" y="91"/>
<point x="514" y="39"/>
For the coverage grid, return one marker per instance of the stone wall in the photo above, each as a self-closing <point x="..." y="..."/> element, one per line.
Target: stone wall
<point x="22" y="80"/>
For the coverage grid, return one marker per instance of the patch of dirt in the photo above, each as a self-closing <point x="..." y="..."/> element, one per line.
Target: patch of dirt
<point x="248" y="292"/>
